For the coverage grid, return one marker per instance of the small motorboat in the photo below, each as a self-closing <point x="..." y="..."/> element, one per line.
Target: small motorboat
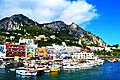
<point x="25" y="71"/>
<point x="12" y="69"/>
<point x="2" y="66"/>
<point x="47" y="70"/>
<point x="54" y="69"/>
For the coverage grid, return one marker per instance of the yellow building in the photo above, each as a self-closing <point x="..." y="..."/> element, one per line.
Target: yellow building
<point x="41" y="52"/>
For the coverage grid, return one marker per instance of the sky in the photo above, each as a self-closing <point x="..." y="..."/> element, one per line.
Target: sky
<point x="100" y="17"/>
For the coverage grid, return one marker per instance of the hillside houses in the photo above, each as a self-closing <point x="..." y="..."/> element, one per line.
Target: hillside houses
<point x="28" y="48"/>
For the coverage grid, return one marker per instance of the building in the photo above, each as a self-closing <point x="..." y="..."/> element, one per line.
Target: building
<point x="30" y="50"/>
<point x="26" y="41"/>
<point x="2" y="50"/>
<point x="13" y="50"/>
<point x="30" y="46"/>
<point x="83" y="55"/>
<point x="41" y="37"/>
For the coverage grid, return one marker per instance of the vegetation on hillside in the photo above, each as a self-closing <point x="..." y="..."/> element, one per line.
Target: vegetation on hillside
<point x="30" y="31"/>
<point x="115" y="52"/>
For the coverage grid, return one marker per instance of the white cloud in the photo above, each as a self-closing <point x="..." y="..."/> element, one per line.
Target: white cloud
<point x="43" y="11"/>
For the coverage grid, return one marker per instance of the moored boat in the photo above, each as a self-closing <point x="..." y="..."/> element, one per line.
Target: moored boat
<point x="26" y="72"/>
<point x="47" y="70"/>
<point x="54" y="69"/>
<point x="2" y="66"/>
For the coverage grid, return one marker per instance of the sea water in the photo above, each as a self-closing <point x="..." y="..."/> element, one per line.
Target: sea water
<point x="108" y="71"/>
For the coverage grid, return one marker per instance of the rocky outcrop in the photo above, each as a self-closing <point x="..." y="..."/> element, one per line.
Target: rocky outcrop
<point x="92" y="40"/>
<point x="16" y="22"/>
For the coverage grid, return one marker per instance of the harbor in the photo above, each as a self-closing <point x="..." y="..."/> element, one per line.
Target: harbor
<point x="36" y="67"/>
<point x="56" y="62"/>
<point x="102" y="72"/>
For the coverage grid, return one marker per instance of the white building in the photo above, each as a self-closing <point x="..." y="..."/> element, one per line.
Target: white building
<point x="72" y="49"/>
<point x="26" y="41"/>
<point x="83" y="55"/>
<point x="95" y="48"/>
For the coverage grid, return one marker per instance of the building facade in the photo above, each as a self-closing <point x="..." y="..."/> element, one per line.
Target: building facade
<point x="13" y="50"/>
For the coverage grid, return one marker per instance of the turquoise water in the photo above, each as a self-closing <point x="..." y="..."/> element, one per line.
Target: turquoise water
<point x="108" y="71"/>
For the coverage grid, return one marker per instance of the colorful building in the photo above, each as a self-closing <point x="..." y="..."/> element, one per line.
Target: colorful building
<point x="30" y="50"/>
<point x="41" y="52"/>
<point x="30" y="46"/>
<point x="13" y="50"/>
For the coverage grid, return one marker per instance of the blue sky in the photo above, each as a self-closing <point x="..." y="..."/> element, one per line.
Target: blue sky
<point x="100" y="17"/>
<point x="107" y="26"/>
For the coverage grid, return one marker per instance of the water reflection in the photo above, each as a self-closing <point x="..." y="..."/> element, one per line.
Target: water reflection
<point x="54" y="75"/>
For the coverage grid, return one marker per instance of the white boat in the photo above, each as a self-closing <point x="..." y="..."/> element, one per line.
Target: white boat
<point x="2" y="66"/>
<point x="19" y="70"/>
<point x="12" y="69"/>
<point x="70" y="66"/>
<point x="84" y="66"/>
<point x="47" y="70"/>
<point x="25" y="72"/>
<point x="28" y="73"/>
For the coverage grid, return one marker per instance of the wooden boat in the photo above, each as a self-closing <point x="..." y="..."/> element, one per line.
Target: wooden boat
<point x="113" y="60"/>
<point x="2" y="65"/>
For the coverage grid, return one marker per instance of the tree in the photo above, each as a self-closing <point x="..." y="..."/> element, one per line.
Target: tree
<point x="2" y="38"/>
<point x="116" y="45"/>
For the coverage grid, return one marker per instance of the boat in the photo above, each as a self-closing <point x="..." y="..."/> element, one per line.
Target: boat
<point x="12" y="69"/>
<point x="20" y="69"/>
<point x="84" y="66"/>
<point x="113" y="60"/>
<point x="54" y="69"/>
<point x="47" y="70"/>
<point x="2" y="66"/>
<point x="70" y="66"/>
<point x="26" y="72"/>
<point x="67" y="64"/>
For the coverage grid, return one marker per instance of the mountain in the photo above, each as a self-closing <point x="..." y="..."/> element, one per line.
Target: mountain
<point x="62" y="29"/>
<point x="58" y="28"/>
<point x="16" y="22"/>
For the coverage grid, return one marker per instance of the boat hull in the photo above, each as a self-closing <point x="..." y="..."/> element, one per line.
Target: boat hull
<point x="54" y="69"/>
